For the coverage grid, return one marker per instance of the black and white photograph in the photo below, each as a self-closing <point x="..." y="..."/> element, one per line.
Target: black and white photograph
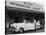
<point x="24" y="17"/>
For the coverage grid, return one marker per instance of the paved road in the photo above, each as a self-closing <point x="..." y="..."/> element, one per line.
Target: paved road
<point x="11" y="32"/>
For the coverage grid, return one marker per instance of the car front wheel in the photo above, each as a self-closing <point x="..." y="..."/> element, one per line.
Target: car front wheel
<point x="21" y="30"/>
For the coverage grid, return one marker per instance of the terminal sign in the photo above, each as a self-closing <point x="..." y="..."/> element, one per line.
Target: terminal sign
<point x="26" y="4"/>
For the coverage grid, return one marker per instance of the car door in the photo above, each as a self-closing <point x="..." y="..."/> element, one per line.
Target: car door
<point x="29" y="26"/>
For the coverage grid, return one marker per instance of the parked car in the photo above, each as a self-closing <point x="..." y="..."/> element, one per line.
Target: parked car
<point x="21" y="27"/>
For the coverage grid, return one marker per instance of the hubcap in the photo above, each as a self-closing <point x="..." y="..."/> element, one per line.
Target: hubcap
<point x="20" y="30"/>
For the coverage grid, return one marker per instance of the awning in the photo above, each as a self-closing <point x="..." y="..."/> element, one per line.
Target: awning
<point x="24" y="6"/>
